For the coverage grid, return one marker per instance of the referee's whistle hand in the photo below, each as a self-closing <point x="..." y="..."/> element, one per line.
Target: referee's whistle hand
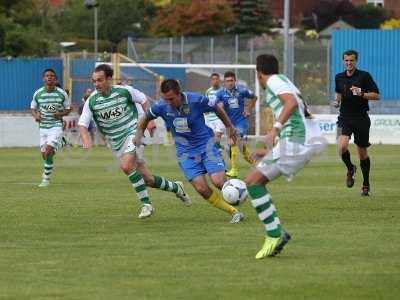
<point x="335" y="104"/>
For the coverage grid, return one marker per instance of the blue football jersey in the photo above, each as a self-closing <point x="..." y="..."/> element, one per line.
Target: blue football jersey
<point x="234" y="102"/>
<point x="192" y="136"/>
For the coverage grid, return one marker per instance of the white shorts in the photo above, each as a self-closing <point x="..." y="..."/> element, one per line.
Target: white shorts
<point x="287" y="159"/>
<point x="216" y="125"/>
<point x="50" y="136"/>
<point x="129" y="148"/>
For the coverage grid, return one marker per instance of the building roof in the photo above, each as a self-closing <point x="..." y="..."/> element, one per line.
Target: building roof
<point x="339" y="24"/>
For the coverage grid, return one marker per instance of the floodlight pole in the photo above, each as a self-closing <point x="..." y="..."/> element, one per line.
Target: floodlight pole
<point x="89" y="5"/>
<point x="96" y="27"/>
<point x="286" y="21"/>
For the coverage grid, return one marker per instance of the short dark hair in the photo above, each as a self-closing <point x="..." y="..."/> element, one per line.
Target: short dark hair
<point x="350" y="52"/>
<point x="230" y="74"/>
<point x="267" y="64"/>
<point x="214" y="74"/>
<point x="50" y="70"/>
<point x="170" y="84"/>
<point x="108" y="71"/>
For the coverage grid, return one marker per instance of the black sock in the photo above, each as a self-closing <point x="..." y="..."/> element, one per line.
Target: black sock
<point x="365" y="166"/>
<point x="347" y="161"/>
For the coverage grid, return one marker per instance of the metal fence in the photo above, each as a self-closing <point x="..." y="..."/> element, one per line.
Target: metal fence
<point x="309" y="67"/>
<point x="20" y="78"/>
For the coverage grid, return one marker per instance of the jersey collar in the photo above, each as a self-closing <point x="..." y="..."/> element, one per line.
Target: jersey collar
<point x="232" y="92"/>
<point x="184" y="108"/>
<point x="352" y="75"/>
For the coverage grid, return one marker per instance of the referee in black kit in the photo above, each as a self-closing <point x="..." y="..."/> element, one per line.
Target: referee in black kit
<point x="353" y="90"/>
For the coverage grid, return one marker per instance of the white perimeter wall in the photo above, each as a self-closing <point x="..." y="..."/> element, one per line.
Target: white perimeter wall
<point x="22" y="131"/>
<point x="385" y="129"/>
<point x="18" y="131"/>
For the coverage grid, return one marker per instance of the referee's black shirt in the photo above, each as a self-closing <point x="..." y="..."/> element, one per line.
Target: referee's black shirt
<point x="354" y="106"/>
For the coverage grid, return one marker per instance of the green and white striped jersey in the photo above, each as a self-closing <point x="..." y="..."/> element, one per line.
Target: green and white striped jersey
<point x="116" y="115"/>
<point x="295" y="127"/>
<point x="211" y="94"/>
<point x="48" y="103"/>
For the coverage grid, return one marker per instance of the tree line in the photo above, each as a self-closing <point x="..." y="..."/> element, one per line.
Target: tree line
<point x="31" y="28"/>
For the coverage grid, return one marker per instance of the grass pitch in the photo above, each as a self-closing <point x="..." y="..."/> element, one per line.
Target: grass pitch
<point x="81" y="238"/>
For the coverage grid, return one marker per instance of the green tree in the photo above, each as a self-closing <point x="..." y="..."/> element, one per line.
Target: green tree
<point x="369" y="16"/>
<point x="116" y="19"/>
<point x="327" y="12"/>
<point x="22" y="30"/>
<point x="251" y="16"/>
<point x="194" y="18"/>
<point x="27" y="43"/>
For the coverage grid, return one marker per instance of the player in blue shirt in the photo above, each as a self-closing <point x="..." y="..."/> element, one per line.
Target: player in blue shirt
<point x="196" y="151"/>
<point x="233" y="99"/>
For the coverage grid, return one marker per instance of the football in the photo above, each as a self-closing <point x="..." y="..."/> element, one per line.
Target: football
<point x="234" y="191"/>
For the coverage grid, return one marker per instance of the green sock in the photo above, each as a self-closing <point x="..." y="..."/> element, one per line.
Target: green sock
<point x="138" y="184"/>
<point x="164" y="184"/>
<point x="266" y="211"/>
<point x="48" y="167"/>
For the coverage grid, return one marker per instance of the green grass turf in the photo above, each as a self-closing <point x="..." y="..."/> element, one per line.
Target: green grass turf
<point x="81" y="238"/>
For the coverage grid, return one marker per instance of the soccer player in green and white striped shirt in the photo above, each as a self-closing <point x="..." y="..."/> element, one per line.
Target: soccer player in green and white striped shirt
<point x="116" y="109"/>
<point x="49" y="104"/>
<point x="211" y="118"/>
<point x="298" y="141"/>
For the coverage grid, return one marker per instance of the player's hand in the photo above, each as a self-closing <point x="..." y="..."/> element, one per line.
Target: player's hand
<point x="38" y="118"/>
<point x="151" y="127"/>
<point x="58" y="115"/>
<point x="246" y="113"/>
<point x="87" y="145"/>
<point x="270" y="138"/>
<point x="258" y="154"/>
<point x="335" y="104"/>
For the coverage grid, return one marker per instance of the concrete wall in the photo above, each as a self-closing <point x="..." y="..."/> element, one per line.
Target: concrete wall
<point x="18" y="131"/>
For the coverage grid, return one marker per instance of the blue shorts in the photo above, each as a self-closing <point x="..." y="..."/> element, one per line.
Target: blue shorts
<point x="242" y="127"/>
<point x="92" y="126"/>
<point x="207" y="162"/>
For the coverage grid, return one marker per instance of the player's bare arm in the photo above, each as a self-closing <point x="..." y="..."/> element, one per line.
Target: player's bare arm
<point x="86" y="141"/>
<point x="142" y="125"/>
<point x="35" y="115"/>
<point x="250" y="106"/>
<point x="221" y="114"/>
<point x="338" y="100"/>
<point x="59" y="114"/>
<point x="289" y="105"/>
<point x="151" y="126"/>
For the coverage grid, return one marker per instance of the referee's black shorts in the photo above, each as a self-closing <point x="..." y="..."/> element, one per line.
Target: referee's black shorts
<point x="359" y="126"/>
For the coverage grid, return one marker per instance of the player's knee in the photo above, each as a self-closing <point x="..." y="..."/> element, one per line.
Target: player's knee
<point x="48" y="152"/>
<point x="203" y="190"/>
<point x="249" y="181"/>
<point x="148" y="179"/>
<point x="219" y="183"/>
<point x="362" y="153"/>
<point x="127" y="168"/>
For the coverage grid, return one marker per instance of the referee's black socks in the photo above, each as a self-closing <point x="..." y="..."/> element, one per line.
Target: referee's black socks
<point x="346" y="159"/>
<point x="365" y="165"/>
